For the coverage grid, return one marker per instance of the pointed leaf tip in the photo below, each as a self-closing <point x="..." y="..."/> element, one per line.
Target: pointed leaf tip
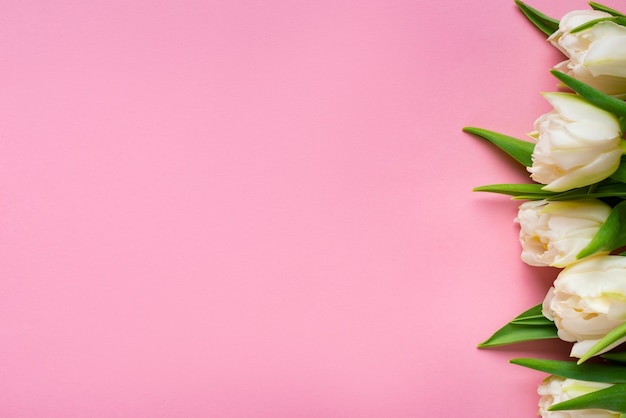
<point x="519" y="150"/>
<point x="524" y="327"/>
<point x="603" y="8"/>
<point x="544" y="23"/>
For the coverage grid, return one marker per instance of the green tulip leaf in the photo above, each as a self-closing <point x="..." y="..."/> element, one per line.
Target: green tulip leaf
<point x="611" y="186"/>
<point x="619" y="357"/>
<point x="592" y="95"/>
<point x="592" y="23"/>
<point x="521" y="191"/>
<point x="525" y="327"/>
<point x="611" y="235"/>
<point x="612" y="398"/>
<point x="520" y="150"/>
<point x="574" y="194"/>
<point x="534" y="191"/>
<point x="620" y="173"/>
<point x="533" y="318"/>
<point x="544" y="23"/>
<point x="606" y="188"/>
<point x="571" y="370"/>
<point x="613" y="337"/>
<point x="602" y="8"/>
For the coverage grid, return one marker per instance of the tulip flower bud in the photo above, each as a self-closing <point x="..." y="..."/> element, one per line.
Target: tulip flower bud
<point x="597" y="55"/>
<point x="555" y="389"/>
<point x="578" y="144"/>
<point x="553" y="233"/>
<point x="588" y="301"/>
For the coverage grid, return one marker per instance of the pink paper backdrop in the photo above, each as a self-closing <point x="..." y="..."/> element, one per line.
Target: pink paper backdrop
<point x="263" y="209"/>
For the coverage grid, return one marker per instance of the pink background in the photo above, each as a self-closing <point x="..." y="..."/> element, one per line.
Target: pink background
<point x="264" y="209"/>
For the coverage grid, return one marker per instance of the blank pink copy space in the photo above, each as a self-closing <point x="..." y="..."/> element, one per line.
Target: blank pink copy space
<point x="263" y="209"/>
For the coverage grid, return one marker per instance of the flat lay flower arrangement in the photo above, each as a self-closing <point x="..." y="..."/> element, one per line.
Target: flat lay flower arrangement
<point x="574" y="216"/>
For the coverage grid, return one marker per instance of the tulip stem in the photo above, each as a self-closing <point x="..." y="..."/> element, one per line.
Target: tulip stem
<point x="622" y="145"/>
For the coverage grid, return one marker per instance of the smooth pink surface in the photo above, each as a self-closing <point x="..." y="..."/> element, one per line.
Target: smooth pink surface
<point x="263" y="209"/>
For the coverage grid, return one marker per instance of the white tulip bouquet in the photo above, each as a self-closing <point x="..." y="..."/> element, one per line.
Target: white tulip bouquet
<point x="574" y="217"/>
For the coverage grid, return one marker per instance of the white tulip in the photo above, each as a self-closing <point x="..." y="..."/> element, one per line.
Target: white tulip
<point x="578" y="144"/>
<point x="553" y="233"/>
<point x="588" y="300"/>
<point x="555" y="389"/>
<point x="597" y="55"/>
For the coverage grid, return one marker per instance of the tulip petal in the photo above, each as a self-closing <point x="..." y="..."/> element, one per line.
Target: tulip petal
<point x="575" y="108"/>
<point x="609" y="28"/>
<point x="596" y="134"/>
<point x="607" y="56"/>
<point x="598" y="170"/>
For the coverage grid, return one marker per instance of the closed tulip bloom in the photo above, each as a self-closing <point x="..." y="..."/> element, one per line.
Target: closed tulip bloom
<point x="578" y="144"/>
<point x="555" y="389"/>
<point x="588" y="300"/>
<point x="597" y="55"/>
<point x="553" y="233"/>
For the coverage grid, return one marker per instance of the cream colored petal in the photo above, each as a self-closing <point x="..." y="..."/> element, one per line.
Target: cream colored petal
<point x="607" y="56"/>
<point x="600" y="169"/>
